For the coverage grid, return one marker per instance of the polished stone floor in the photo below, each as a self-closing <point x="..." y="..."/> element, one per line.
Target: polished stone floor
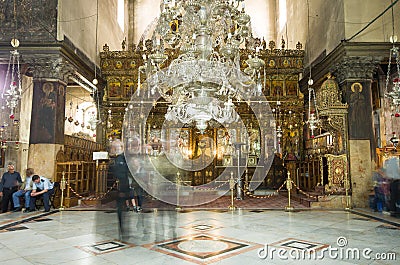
<point x="197" y="237"/>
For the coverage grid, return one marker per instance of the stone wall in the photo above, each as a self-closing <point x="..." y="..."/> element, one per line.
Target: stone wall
<point x="360" y="172"/>
<point x="332" y="22"/>
<point x="77" y="21"/>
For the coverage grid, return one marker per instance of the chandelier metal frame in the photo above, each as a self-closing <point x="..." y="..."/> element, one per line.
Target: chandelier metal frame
<point x="204" y="80"/>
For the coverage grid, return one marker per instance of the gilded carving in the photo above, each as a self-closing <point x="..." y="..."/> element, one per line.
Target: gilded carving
<point x="337" y="171"/>
<point x="279" y="78"/>
<point x="333" y="113"/>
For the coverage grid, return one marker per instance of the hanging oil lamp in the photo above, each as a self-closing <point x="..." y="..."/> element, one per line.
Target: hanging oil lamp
<point x="313" y="119"/>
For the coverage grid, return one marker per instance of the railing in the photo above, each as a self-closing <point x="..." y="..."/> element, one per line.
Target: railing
<point x="309" y="174"/>
<point x="80" y="176"/>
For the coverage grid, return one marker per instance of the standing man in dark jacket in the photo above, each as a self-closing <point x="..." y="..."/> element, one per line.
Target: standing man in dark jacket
<point x="121" y="172"/>
<point x="8" y="185"/>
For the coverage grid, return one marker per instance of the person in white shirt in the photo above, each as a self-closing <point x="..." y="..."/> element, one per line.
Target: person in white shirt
<point x="25" y="191"/>
<point x="41" y="187"/>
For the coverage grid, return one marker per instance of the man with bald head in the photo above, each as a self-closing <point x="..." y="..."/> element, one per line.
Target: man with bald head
<point x="10" y="181"/>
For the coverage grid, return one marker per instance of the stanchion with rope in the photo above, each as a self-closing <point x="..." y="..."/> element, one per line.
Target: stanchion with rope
<point x="115" y="184"/>
<point x="178" y="184"/>
<point x="312" y="196"/>
<point x="231" y="187"/>
<point x="214" y="188"/>
<point x="289" y="207"/>
<point x="346" y="184"/>
<point x="62" y="187"/>
<point x="276" y="193"/>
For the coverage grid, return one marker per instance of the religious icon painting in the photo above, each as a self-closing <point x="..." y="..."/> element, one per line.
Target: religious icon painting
<point x="114" y="89"/>
<point x="227" y="161"/>
<point x="128" y="88"/>
<point x="252" y="161"/>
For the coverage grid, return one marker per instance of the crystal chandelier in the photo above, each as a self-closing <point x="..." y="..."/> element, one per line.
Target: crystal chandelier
<point x="200" y="110"/>
<point x="12" y="85"/>
<point x="394" y="94"/>
<point x="313" y="118"/>
<point x="202" y="82"/>
<point x="11" y="95"/>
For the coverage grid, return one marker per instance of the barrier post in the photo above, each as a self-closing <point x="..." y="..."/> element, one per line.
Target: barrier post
<point x="231" y="187"/>
<point x="62" y="187"/>
<point x="346" y="184"/>
<point x="178" y="184"/>
<point x="289" y="208"/>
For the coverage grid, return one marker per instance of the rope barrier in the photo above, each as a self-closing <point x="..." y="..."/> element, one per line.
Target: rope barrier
<point x="91" y="198"/>
<point x="215" y="188"/>
<point x="248" y="193"/>
<point x="303" y="192"/>
<point x="312" y="196"/>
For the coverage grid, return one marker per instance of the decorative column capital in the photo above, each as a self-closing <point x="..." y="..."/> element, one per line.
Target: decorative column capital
<point x="355" y="68"/>
<point x="52" y="66"/>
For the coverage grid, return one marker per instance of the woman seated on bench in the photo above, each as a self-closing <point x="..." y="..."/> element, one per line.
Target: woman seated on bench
<point x="41" y="187"/>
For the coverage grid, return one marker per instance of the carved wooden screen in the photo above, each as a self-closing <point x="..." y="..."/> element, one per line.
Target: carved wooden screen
<point x="337" y="172"/>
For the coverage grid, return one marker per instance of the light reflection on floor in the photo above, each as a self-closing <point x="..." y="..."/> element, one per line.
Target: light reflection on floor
<point x="189" y="237"/>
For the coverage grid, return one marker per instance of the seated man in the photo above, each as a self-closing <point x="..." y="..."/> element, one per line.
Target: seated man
<point x="41" y="186"/>
<point x="8" y="185"/>
<point x="25" y="191"/>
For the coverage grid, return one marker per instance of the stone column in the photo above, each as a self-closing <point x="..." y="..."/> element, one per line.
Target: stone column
<point x="355" y="75"/>
<point x="50" y="75"/>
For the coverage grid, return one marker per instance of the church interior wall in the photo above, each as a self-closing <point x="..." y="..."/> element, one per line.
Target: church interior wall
<point x="262" y="13"/>
<point x="358" y="13"/>
<point x="326" y="26"/>
<point x="77" y="21"/>
<point x="340" y="20"/>
<point x="38" y="159"/>
<point x="25" y="122"/>
<point x="361" y="172"/>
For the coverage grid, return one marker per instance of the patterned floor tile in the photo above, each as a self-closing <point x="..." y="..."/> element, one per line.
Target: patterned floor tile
<point x="299" y="244"/>
<point x="105" y="247"/>
<point x="203" y="248"/>
<point x="201" y="227"/>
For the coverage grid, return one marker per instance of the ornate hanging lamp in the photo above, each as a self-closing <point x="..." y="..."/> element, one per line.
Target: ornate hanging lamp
<point x="313" y="118"/>
<point x="11" y="95"/>
<point x="394" y="93"/>
<point x="12" y="85"/>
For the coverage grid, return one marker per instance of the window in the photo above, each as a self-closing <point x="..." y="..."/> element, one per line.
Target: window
<point x="121" y="14"/>
<point x="282" y="14"/>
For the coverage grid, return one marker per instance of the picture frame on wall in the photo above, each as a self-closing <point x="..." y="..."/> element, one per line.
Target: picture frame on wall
<point x="227" y="161"/>
<point x="252" y="161"/>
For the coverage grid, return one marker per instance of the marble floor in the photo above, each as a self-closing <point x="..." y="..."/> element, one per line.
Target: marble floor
<point x="197" y="237"/>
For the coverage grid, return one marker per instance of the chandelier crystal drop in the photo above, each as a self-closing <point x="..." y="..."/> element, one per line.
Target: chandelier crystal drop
<point x="204" y="80"/>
